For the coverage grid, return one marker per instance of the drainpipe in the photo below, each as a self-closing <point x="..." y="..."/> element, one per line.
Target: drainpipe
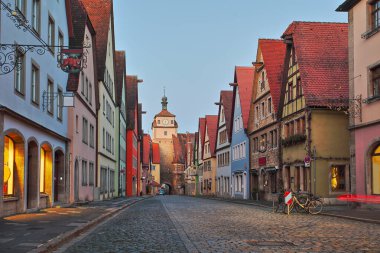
<point x="118" y="152"/>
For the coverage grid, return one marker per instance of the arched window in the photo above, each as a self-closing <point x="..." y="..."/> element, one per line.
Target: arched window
<point x="376" y="171"/>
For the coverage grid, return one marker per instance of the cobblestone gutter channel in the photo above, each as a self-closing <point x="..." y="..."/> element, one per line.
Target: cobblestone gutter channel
<point x="60" y="240"/>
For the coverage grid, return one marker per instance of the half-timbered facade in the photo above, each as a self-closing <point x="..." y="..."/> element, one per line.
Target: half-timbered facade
<point x="315" y="150"/>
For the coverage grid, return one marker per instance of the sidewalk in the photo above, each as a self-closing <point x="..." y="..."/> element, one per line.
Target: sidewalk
<point x="367" y="213"/>
<point x="49" y="228"/>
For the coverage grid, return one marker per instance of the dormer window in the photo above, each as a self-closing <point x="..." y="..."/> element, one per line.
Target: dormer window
<point x="159" y="121"/>
<point x="262" y="81"/>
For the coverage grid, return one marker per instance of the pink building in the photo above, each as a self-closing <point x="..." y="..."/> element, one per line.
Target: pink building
<point x="82" y="117"/>
<point x="364" y="66"/>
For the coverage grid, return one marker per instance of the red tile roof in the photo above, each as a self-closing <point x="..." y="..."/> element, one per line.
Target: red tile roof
<point x="146" y="149"/>
<point x="190" y="141"/>
<point x="132" y="100"/>
<point x="164" y="113"/>
<point x="101" y="13"/>
<point x="120" y="75"/>
<point x="156" y="153"/>
<point x="226" y="98"/>
<point x="201" y="131"/>
<point x="273" y="52"/>
<point x="244" y="78"/>
<point x="322" y="54"/>
<point x="179" y="143"/>
<point x="212" y="125"/>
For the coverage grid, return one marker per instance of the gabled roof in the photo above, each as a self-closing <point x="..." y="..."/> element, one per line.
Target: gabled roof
<point x="273" y="53"/>
<point x="101" y="13"/>
<point x="77" y="20"/>
<point x="139" y="120"/>
<point x="156" y="159"/>
<point x="244" y="79"/>
<point x="322" y="54"/>
<point x="226" y="99"/>
<point x="212" y="125"/>
<point x="132" y="100"/>
<point x="179" y="149"/>
<point x="190" y="142"/>
<point x="201" y="130"/>
<point x="164" y="113"/>
<point x="146" y="149"/>
<point x="347" y="5"/>
<point x="120" y="75"/>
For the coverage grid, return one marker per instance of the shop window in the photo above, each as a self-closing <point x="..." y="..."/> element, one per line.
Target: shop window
<point x="42" y="170"/>
<point x="9" y="156"/>
<point x="338" y="178"/>
<point x="376" y="171"/>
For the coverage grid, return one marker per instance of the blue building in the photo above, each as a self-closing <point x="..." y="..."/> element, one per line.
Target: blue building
<point x="242" y="93"/>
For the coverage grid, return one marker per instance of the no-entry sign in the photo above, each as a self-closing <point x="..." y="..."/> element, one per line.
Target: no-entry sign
<point x="288" y="198"/>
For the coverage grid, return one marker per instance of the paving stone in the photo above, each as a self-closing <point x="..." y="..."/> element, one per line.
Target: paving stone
<point x="184" y="224"/>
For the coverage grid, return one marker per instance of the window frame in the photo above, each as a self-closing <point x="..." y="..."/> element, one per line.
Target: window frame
<point x="35" y="84"/>
<point x="50" y="98"/>
<point x="36" y="16"/>
<point x="19" y="73"/>
<point x="59" y="103"/>
<point x="51" y="34"/>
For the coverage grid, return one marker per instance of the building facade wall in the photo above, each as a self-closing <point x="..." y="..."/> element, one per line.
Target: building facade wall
<point x="83" y="153"/>
<point x="239" y="154"/>
<point x="364" y="56"/>
<point x="106" y="123"/>
<point x="26" y="120"/>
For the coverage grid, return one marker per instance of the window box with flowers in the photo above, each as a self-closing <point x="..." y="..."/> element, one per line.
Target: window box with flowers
<point x="293" y="140"/>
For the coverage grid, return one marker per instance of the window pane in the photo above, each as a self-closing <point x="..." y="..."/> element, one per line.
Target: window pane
<point x="338" y="181"/>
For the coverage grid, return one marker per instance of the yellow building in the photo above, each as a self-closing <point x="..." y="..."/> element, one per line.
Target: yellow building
<point x="314" y="127"/>
<point x="155" y="168"/>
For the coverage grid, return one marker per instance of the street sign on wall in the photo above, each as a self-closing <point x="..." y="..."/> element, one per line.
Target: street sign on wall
<point x="307" y="161"/>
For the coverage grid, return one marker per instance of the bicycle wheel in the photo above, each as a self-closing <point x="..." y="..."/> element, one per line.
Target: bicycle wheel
<point x="303" y="201"/>
<point x="281" y="207"/>
<point x="315" y="206"/>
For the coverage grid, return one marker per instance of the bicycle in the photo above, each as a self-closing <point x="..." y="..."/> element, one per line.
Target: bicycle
<point x="305" y="202"/>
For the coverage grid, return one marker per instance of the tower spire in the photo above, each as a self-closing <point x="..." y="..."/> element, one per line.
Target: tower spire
<point x="164" y="101"/>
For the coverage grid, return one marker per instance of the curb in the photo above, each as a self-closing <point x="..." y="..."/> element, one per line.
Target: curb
<point x="61" y="239"/>
<point x="234" y="201"/>
<point x="351" y="218"/>
<point x="324" y="214"/>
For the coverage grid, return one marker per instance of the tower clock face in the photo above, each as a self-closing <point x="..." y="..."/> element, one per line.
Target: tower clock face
<point x="165" y="122"/>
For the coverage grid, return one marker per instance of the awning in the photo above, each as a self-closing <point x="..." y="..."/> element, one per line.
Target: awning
<point x="271" y="170"/>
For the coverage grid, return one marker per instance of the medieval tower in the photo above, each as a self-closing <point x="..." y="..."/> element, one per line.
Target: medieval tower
<point x="164" y="129"/>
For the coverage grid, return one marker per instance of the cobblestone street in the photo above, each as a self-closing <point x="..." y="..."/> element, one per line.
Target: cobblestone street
<point x="184" y="224"/>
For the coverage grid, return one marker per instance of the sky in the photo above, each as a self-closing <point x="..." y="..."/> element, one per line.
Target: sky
<point x="191" y="47"/>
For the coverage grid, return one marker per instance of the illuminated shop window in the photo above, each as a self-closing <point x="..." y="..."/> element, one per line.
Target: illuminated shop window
<point x="9" y="151"/>
<point x="338" y="178"/>
<point x="376" y="171"/>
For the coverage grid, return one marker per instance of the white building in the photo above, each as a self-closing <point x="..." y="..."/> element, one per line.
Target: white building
<point x="33" y="122"/>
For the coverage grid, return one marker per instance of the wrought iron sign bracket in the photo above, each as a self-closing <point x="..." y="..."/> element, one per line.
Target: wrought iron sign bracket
<point x="49" y="98"/>
<point x="70" y="60"/>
